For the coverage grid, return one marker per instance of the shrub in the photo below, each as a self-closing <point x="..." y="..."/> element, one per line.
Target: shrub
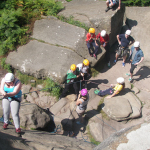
<point x="6" y="66"/>
<point x="136" y="2"/>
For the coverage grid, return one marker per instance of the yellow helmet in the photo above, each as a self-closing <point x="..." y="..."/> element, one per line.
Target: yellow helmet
<point x="86" y="62"/>
<point x="73" y="67"/>
<point x="91" y="30"/>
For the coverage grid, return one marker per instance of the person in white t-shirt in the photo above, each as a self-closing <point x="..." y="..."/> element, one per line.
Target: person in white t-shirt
<point x="84" y="70"/>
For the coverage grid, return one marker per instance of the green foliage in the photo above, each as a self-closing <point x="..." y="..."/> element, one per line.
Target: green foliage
<point x="68" y="0"/>
<point x="94" y="72"/>
<point x="52" y="87"/>
<point x="136" y="2"/>
<point x="5" y="66"/>
<point x="25" y="79"/>
<point x="71" y="20"/>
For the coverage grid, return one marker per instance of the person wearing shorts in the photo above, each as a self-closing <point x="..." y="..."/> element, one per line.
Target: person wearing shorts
<point x="124" y="40"/>
<point x="137" y="57"/>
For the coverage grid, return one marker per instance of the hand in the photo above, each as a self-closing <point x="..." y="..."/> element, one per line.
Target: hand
<point x="136" y="64"/>
<point x="3" y="93"/>
<point x="118" y="8"/>
<point x="119" y="43"/>
<point x="108" y="96"/>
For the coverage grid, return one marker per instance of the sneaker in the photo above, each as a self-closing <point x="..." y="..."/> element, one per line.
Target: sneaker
<point x="91" y="55"/>
<point x="123" y="64"/>
<point x="128" y="74"/>
<point x="130" y="79"/>
<point x="96" y="91"/>
<point x="5" y="126"/>
<point x="18" y="130"/>
<point x="107" y="9"/>
<point x="94" y="55"/>
<point x="115" y="61"/>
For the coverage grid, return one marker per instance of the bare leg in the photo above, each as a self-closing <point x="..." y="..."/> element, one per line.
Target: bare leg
<point x="124" y="58"/>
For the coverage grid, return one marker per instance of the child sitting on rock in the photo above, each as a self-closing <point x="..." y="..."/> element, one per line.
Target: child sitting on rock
<point x="113" y="90"/>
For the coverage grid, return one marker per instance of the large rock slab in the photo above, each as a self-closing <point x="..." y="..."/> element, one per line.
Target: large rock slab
<point x="92" y="13"/>
<point x="43" y="60"/>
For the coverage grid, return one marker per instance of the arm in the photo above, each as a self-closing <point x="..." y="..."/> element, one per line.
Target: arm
<point x="2" y="87"/>
<point x="131" y="42"/>
<point x="118" y="39"/>
<point x="110" y="96"/>
<point x="142" y="58"/>
<point x="16" y="90"/>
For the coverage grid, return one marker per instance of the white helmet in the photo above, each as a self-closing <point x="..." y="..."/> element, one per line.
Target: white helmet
<point x="9" y="77"/>
<point x="120" y="80"/>
<point x="128" y="32"/>
<point x="137" y="44"/>
<point x="103" y="33"/>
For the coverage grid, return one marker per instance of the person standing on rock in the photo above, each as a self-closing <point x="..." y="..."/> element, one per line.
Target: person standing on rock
<point x="72" y="75"/>
<point x="113" y="90"/>
<point x="104" y="42"/>
<point x="124" y="40"/>
<point x="11" y="90"/>
<point x="91" y="42"/>
<point x="81" y="103"/>
<point x="112" y="3"/>
<point x="137" y="57"/>
<point x="84" y="70"/>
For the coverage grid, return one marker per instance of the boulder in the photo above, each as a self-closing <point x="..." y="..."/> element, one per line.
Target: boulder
<point x="92" y="13"/>
<point x="32" y="116"/>
<point x="117" y="108"/>
<point x="43" y="60"/>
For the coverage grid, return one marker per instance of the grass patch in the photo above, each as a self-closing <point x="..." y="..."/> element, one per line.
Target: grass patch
<point x="71" y="20"/>
<point x="132" y="86"/>
<point x="6" y="66"/>
<point x="94" y="72"/>
<point x="99" y="109"/>
<point x="68" y="0"/>
<point x="92" y="140"/>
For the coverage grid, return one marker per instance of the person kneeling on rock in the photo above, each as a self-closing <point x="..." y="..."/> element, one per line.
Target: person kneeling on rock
<point x="113" y="90"/>
<point x="81" y="103"/>
<point x="72" y="75"/>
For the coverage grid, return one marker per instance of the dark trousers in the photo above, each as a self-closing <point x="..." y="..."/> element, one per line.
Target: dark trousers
<point x="132" y="68"/>
<point x="109" y="91"/>
<point x="107" y="54"/>
<point x="67" y="87"/>
<point x="85" y="78"/>
<point x="90" y="45"/>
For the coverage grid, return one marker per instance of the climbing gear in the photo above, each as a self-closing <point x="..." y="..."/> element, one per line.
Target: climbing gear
<point x="18" y="131"/>
<point x="86" y="62"/>
<point x="120" y="80"/>
<point x="128" y="32"/>
<point x="84" y="92"/>
<point x="5" y="126"/>
<point x="9" y="77"/>
<point x="103" y="33"/>
<point x="123" y="64"/>
<point x="107" y="9"/>
<point x="96" y="91"/>
<point x="73" y="67"/>
<point x="92" y="30"/>
<point x="137" y="44"/>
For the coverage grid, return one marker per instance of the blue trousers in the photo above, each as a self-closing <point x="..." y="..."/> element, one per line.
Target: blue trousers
<point x="109" y="91"/>
<point x="90" y="46"/>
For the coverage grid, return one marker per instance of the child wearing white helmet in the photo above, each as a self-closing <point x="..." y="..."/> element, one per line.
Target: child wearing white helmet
<point x="11" y="90"/>
<point x="113" y="90"/>
<point x="104" y="42"/>
<point x="137" y="57"/>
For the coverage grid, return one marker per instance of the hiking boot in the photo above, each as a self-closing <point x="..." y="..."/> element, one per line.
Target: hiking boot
<point x="123" y="64"/>
<point x="18" y="131"/>
<point x="5" y="126"/>
<point x="107" y="9"/>
<point x="96" y="91"/>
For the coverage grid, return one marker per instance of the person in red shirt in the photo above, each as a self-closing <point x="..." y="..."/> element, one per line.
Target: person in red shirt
<point x="104" y="42"/>
<point x="91" y="42"/>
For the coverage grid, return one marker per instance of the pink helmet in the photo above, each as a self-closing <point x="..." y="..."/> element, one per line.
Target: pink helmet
<point x="84" y="92"/>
